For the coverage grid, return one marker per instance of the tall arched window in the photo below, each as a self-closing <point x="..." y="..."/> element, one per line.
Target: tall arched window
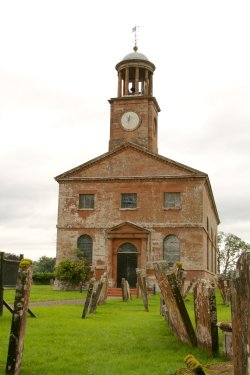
<point x="85" y="245"/>
<point x="171" y="249"/>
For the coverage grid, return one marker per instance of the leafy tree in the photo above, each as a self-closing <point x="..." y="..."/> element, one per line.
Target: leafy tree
<point x="229" y="248"/>
<point x="44" y="264"/>
<point x="72" y="271"/>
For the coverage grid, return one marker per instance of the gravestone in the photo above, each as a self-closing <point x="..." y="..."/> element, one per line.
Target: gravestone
<point x="142" y="286"/>
<point x="19" y="317"/>
<point x="88" y="298"/>
<point x="206" y="316"/>
<point x="240" y="306"/>
<point x="223" y="284"/>
<point x="177" y="314"/>
<point x="104" y="292"/>
<point x="227" y="344"/>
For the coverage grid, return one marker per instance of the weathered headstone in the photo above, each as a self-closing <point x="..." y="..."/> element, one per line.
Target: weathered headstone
<point x="240" y="306"/>
<point x="227" y="343"/>
<point x="104" y="292"/>
<point x="88" y="298"/>
<point x="128" y="291"/>
<point x="19" y="317"/>
<point x="206" y="316"/>
<point x="124" y="285"/>
<point x="223" y="284"/>
<point x="178" y="317"/>
<point x="95" y="296"/>
<point x="141" y="282"/>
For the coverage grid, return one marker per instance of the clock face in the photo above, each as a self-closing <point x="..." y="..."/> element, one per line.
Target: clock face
<point x="130" y="120"/>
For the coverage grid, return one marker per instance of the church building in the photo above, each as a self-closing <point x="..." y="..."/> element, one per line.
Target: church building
<point x="131" y="206"/>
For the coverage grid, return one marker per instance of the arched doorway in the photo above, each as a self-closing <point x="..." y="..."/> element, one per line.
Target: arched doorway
<point x="127" y="264"/>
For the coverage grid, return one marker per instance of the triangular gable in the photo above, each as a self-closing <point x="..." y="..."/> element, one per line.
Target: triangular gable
<point x="129" y="160"/>
<point x="127" y="227"/>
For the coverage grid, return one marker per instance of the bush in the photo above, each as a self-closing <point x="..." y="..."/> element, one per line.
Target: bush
<point x="72" y="271"/>
<point x="42" y="277"/>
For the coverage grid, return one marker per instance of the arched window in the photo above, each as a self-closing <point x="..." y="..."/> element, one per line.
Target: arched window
<point x="85" y="245"/>
<point x="171" y="249"/>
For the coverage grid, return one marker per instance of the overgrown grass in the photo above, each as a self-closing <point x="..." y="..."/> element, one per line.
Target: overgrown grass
<point x="120" y="339"/>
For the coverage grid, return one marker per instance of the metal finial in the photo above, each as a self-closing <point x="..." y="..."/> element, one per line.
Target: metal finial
<point x="134" y="30"/>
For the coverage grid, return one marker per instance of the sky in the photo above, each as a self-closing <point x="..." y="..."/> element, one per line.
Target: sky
<point x="57" y="72"/>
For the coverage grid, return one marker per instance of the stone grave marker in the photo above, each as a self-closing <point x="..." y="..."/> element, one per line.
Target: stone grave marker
<point x="240" y="307"/>
<point x="142" y="284"/>
<point x="206" y="316"/>
<point x="18" y="325"/>
<point x="88" y="298"/>
<point x="176" y="311"/>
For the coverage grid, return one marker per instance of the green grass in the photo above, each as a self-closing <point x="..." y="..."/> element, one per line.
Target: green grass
<point x="120" y="339"/>
<point x="45" y="293"/>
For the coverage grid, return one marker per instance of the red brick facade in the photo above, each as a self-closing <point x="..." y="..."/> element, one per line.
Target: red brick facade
<point x="132" y="166"/>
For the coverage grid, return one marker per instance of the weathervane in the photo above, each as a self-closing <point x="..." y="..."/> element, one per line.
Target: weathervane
<point x="134" y="30"/>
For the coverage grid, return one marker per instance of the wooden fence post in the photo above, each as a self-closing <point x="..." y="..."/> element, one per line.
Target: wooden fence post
<point x="18" y="325"/>
<point x="240" y="306"/>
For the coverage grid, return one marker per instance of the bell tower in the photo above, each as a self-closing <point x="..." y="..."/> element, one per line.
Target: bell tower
<point x="134" y="112"/>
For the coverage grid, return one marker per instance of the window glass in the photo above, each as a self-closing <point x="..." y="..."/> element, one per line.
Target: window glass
<point x="129" y="200"/>
<point x="171" y="249"/>
<point x="85" y="245"/>
<point x="172" y="200"/>
<point x="86" y="200"/>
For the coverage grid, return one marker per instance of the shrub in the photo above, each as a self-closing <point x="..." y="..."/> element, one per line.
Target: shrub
<point x="42" y="277"/>
<point x="72" y="271"/>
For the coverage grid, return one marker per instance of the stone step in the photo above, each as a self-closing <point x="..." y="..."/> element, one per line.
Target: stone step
<point x="117" y="292"/>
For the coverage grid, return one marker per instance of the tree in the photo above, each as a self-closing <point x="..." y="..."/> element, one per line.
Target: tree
<point x="229" y="248"/>
<point x="44" y="264"/>
<point x="72" y="271"/>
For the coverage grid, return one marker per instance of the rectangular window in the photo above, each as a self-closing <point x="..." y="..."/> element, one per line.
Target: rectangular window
<point x="86" y="201"/>
<point x="172" y="200"/>
<point x="129" y="200"/>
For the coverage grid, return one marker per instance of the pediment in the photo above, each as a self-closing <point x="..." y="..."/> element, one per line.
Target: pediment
<point x="129" y="161"/>
<point x="127" y="228"/>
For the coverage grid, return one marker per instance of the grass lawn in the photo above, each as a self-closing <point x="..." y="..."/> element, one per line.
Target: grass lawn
<point x="45" y="293"/>
<point x="120" y="339"/>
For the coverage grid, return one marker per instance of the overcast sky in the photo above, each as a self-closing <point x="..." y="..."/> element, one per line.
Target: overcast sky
<point x="57" y="72"/>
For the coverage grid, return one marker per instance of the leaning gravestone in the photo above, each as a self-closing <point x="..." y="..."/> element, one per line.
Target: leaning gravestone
<point x="176" y="311"/>
<point x="240" y="306"/>
<point x="19" y="317"/>
<point x="206" y="316"/>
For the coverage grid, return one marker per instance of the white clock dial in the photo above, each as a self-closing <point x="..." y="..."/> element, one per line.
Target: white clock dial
<point x="130" y="120"/>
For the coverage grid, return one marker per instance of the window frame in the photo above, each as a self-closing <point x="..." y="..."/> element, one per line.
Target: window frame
<point x="132" y="205"/>
<point x="87" y="206"/>
<point x="174" y="204"/>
